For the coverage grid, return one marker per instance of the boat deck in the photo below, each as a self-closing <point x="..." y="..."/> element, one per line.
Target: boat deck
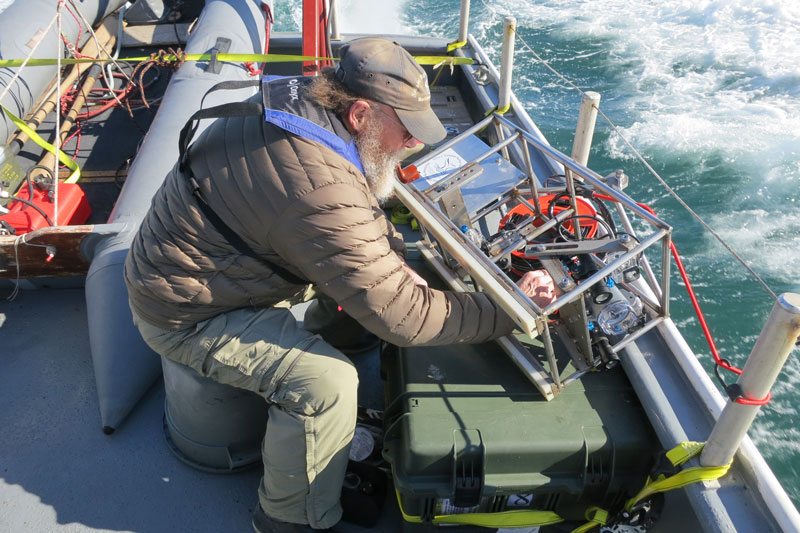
<point x="60" y="473"/>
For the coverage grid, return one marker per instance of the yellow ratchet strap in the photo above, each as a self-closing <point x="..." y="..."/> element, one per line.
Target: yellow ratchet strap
<point x="499" y="110"/>
<point x="260" y="58"/>
<point x="64" y="158"/>
<point x="519" y="518"/>
<point x="233" y="58"/>
<point x="595" y="516"/>
<point x="401" y="215"/>
<point x="678" y="456"/>
<point x="456" y="45"/>
<point x="445" y="60"/>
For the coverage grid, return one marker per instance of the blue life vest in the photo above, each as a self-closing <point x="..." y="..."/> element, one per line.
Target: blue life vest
<point x="286" y="105"/>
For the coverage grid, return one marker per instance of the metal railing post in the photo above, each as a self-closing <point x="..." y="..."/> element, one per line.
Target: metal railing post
<point x="762" y="368"/>
<point x="507" y="62"/>
<point x="333" y="20"/>
<point x="463" y="28"/>
<point x="587" y="116"/>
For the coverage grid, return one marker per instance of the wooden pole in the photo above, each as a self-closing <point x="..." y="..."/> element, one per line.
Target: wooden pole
<point x="48" y="160"/>
<point x="106" y="37"/>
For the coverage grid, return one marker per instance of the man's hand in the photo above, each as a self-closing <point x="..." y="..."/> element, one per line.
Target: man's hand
<point x="539" y="287"/>
<point x="418" y="280"/>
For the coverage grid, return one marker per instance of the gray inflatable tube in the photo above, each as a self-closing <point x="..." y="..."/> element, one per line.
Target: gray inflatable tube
<point x="124" y="366"/>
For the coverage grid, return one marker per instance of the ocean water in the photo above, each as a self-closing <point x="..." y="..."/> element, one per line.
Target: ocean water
<point x="709" y="92"/>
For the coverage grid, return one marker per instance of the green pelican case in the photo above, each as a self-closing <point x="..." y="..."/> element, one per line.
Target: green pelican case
<point x="467" y="432"/>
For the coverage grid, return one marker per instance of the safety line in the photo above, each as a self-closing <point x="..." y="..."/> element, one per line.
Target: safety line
<point x="718" y="359"/>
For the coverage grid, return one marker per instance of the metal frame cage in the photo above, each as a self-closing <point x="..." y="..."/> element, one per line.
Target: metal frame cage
<point x="466" y="186"/>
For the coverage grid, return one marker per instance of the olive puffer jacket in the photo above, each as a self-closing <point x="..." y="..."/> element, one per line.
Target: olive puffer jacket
<point x="303" y="207"/>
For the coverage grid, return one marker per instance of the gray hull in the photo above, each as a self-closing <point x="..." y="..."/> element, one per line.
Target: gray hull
<point x="124" y="365"/>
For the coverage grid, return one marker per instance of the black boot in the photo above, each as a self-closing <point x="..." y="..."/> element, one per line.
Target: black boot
<point x="262" y="523"/>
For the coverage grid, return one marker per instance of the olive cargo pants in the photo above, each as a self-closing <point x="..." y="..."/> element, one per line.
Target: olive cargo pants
<point x="312" y="389"/>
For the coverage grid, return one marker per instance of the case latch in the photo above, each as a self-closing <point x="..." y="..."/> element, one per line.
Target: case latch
<point x="468" y="455"/>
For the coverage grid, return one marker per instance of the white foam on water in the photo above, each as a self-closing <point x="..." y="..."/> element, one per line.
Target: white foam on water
<point x="700" y="76"/>
<point x="354" y="16"/>
<point x="704" y="74"/>
<point x="704" y="82"/>
<point x="768" y="239"/>
<point x="370" y="16"/>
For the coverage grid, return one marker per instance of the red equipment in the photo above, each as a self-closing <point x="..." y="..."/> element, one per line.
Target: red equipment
<point x="587" y="222"/>
<point x="73" y="208"/>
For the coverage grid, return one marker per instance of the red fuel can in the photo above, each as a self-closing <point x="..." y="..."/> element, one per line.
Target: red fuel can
<point x="73" y="208"/>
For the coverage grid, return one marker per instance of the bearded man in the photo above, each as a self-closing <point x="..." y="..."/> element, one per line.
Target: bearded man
<point x="269" y="210"/>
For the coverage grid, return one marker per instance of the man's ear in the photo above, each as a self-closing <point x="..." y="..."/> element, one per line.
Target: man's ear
<point x="357" y="116"/>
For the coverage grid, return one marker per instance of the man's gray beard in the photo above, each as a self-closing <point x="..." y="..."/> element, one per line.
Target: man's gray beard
<point x="379" y="165"/>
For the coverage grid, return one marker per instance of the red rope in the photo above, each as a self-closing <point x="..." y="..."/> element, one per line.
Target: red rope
<point x="699" y="312"/>
<point x="76" y="133"/>
<point x="251" y="68"/>
<point x="72" y="47"/>
<point x="100" y="96"/>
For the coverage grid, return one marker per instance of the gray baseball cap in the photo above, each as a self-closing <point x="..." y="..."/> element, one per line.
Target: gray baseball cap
<point x="382" y="70"/>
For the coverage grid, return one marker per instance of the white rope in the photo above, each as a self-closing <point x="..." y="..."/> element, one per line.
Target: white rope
<point x="15" y="291"/>
<point x="641" y="158"/>
<point x="20" y="239"/>
<point x="109" y="75"/>
<point x="57" y="140"/>
<point x="100" y="46"/>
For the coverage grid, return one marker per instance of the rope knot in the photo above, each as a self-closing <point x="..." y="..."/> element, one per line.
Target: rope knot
<point x="171" y="58"/>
